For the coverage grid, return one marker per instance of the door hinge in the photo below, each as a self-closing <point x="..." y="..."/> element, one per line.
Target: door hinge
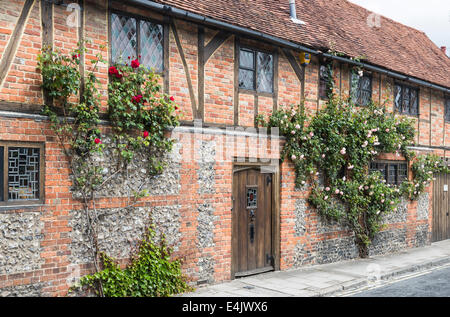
<point x="269" y="179"/>
<point x="270" y="259"/>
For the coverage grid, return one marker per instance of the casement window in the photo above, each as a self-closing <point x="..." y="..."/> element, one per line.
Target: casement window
<point x="255" y="70"/>
<point x="361" y="89"/>
<point x="325" y="86"/>
<point x="406" y="99"/>
<point x="21" y="172"/>
<point x="133" y="36"/>
<point x="447" y="109"/>
<point x="394" y="172"/>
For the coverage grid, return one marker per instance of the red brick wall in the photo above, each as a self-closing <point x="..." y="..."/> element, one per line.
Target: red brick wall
<point x="22" y="85"/>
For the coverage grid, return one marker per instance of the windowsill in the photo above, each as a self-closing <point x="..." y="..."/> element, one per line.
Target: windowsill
<point x="256" y="93"/>
<point x="408" y="114"/>
<point x="15" y="207"/>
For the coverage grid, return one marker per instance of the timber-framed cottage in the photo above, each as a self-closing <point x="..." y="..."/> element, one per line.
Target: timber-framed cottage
<point x="224" y="62"/>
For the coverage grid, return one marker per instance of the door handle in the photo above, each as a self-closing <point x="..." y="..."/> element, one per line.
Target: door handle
<point x="252" y="215"/>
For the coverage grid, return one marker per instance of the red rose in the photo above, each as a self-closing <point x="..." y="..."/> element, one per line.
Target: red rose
<point x="135" y="63"/>
<point x="137" y="99"/>
<point x="176" y="107"/>
<point x="113" y="70"/>
<point x="97" y="141"/>
<point x="118" y="75"/>
<point x="145" y="134"/>
<point x="74" y="56"/>
<point x="172" y="98"/>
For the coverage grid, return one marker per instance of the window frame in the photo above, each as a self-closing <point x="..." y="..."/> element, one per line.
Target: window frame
<point x="357" y="101"/>
<point x="407" y="113"/>
<point x="255" y="52"/>
<point x="325" y="82"/>
<point x="447" y="109"/>
<point x="388" y="164"/>
<point x="138" y="18"/>
<point x="23" y="202"/>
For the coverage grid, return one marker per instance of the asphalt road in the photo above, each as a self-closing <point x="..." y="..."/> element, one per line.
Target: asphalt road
<point x="433" y="284"/>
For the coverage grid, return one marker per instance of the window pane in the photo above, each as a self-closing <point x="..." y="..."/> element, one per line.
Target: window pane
<point x="23" y="173"/>
<point x="392" y="174"/>
<point x="402" y="173"/>
<point x="2" y="149"/>
<point x="151" y="49"/>
<point x="246" y="79"/>
<point x="365" y="94"/>
<point x="398" y="98"/>
<point x="246" y="59"/>
<point x="323" y="82"/>
<point x="414" y="102"/>
<point x="123" y="38"/>
<point x="354" y="87"/>
<point x="405" y="104"/>
<point x="447" y="110"/>
<point x="265" y="72"/>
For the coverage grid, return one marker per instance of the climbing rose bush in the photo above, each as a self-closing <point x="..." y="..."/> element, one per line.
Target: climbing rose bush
<point x="336" y="147"/>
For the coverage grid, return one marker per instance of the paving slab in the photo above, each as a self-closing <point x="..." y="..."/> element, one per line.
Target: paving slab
<point x="330" y="279"/>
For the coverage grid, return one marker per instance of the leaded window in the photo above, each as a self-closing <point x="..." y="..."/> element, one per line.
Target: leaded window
<point x="447" y="109"/>
<point x="394" y="173"/>
<point x="361" y="89"/>
<point x="133" y="37"/>
<point x="255" y="70"/>
<point x="252" y="196"/>
<point x="406" y="99"/>
<point x="325" y="87"/>
<point x="21" y="173"/>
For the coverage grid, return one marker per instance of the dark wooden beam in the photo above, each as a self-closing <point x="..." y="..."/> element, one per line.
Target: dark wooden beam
<point x="297" y="69"/>
<point x="186" y="70"/>
<point x="214" y="44"/>
<point x="201" y="71"/>
<point x="236" y="81"/>
<point x="13" y="43"/>
<point x="47" y="35"/>
<point x="20" y="107"/>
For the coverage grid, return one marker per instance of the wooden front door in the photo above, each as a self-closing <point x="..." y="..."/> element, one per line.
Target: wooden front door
<point x="441" y="207"/>
<point x="252" y="222"/>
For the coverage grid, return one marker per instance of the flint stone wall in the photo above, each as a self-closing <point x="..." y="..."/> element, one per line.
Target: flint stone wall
<point x="20" y="238"/>
<point x="135" y="178"/>
<point x="120" y="230"/>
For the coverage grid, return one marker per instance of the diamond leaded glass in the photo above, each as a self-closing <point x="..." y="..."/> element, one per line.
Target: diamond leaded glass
<point x="447" y="109"/>
<point x="361" y="89"/>
<point x="265" y="72"/>
<point x="151" y="45"/>
<point x="406" y="99"/>
<point x="123" y="38"/>
<point x="398" y="98"/>
<point x="246" y="79"/>
<point x="23" y="173"/>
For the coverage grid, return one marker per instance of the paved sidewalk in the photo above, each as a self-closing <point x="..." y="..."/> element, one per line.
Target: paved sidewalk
<point x="330" y="279"/>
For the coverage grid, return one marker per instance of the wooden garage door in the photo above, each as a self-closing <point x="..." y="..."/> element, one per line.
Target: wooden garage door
<point x="441" y="207"/>
<point x="252" y="222"/>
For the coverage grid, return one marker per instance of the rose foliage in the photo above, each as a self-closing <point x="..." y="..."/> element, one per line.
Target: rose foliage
<point x="336" y="146"/>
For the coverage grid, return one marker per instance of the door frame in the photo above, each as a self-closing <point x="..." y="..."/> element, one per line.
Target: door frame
<point x="438" y="212"/>
<point x="237" y="165"/>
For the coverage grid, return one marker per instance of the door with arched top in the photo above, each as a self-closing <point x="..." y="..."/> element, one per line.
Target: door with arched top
<point x="252" y="221"/>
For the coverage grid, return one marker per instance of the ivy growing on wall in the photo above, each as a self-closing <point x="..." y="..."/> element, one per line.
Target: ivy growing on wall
<point x="337" y="146"/>
<point x="140" y="116"/>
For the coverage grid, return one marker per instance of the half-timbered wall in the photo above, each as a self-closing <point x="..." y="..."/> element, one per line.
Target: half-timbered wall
<point x="42" y="248"/>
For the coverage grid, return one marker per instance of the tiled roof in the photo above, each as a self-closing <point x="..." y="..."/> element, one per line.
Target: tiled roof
<point x="334" y="24"/>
